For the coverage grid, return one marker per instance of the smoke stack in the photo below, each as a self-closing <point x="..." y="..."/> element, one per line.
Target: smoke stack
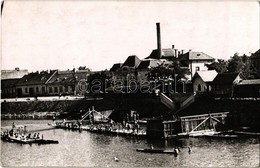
<point x="172" y="46"/>
<point x="159" y="49"/>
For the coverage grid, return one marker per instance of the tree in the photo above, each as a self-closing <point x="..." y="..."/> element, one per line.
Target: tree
<point x="235" y="63"/>
<point x="99" y="81"/>
<point x="240" y="64"/>
<point x="220" y="66"/>
<point x="167" y="71"/>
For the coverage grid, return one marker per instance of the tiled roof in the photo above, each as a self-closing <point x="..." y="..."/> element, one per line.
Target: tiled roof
<point x="191" y="55"/>
<point x="67" y="77"/>
<point x="115" y="67"/>
<point x="207" y="76"/>
<point x="226" y="78"/>
<point x="132" y="61"/>
<point x="250" y="82"/>
<point x="35" y="78"/>
<point x="149" y="63"/>
<point x="7" y="83"/>
<point x="166" y="53"/>
<point x="13" y="74"/>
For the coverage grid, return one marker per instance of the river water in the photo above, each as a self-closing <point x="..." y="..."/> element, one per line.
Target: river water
<point x="91" y="149"/>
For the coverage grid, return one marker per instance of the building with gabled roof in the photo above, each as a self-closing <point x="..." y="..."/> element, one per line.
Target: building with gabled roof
<point x="202" y="81"/>
<point x="248" y="88"/>
<point x="116" y="67"/>
<point x="33" y="84"/>
<point x="131" y="62"/>
<point x="13" y="74"/>
<point x="68" y="82"/>
<point x="223" y="84"/>
<point x="195" y="61"/>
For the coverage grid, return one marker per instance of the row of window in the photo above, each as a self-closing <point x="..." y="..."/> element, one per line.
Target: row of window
<point x="8" y="91"/>
<point x="51" y="89"/>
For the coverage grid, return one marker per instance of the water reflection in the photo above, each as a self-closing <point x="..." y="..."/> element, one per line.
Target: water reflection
<point x="89" y="149"/>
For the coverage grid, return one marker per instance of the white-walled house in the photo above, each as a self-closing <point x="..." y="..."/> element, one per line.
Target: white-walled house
<point x="202" y="80"/>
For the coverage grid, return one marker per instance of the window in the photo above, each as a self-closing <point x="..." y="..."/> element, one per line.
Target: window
<point x="61" y="89"/>
<point x="197" y="68"/>
<point x="199" y="87"/>
<point x="50" y="89"/>
<point x="66" y="88"/>
<point x="37" y="89"/>
<point x="26" y="90"/>
<point x="55" y="89"/>
<point x="43" y="89"/>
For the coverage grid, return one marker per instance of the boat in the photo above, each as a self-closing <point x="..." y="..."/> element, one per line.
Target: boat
<point x="46" y="141"/>
<point x="222" y="136"/>
<point x="161" y="151"/>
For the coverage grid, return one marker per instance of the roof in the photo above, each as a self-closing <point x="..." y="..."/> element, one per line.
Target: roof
<point x="148" y="63"/>
<point x="35" y="78"/>
<point x="191" y="55"/>
<point x="256" y="55"/>
<point x="166" y="53"/>
<point x="250" y="82"/>
<point x="13" y="74"/>
<point x="207" y="76"/>
<point x="132" y="61"/>
<point x="115" y="67"/>
<point x="227" y="78"/>
<point x="67" y="77"/>
<point x="7" y="83"/>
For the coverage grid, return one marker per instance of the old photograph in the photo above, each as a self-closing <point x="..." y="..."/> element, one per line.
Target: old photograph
<point x="130" y="83"/>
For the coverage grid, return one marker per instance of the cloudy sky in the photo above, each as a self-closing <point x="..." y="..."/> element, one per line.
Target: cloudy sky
<point x="56" y="34"/>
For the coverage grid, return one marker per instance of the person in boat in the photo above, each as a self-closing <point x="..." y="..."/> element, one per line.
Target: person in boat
<point x="13" y="126"/>
<point x="38" y="135"/>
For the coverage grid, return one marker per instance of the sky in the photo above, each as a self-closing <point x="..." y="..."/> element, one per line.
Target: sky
<point x="63" y="34"/>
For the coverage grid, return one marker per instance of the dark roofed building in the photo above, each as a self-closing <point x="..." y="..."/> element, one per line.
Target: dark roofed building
<point x="223" y="84"/>
<point x="148" y="63"/>
<point x="33" y="84"/>
<point x="167" y="53"/>
<point x="8" y="88"/>
<point x="66" y="82"/>
<point x="131" y="62"/>
<point x="248" y="88"/>
<point x="116" y="67"/>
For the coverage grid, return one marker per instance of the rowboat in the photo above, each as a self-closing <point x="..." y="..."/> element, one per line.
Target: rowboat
<point x="156" y="151"/>
<point x="222" y="136"/>
<point x="45" y="141"/>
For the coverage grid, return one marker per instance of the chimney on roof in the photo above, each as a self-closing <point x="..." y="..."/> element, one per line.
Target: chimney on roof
<point x="182" y="51"/>
<point x="17" y="69"/>
<point x="159" y="49"/>
<point x="176" y="53"/>
<point x="173" y="47"/>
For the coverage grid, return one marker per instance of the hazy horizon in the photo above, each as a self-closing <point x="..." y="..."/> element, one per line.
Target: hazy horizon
<point x="41" y="35"/>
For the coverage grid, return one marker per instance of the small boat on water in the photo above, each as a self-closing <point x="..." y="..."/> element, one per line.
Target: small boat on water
<point x="45" y="141"/>
<point x="222" y="136"/>
<point x="161" y="151"/>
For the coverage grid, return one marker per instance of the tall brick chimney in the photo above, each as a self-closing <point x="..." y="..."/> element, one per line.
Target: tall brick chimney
<point x="159" y="49"/>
